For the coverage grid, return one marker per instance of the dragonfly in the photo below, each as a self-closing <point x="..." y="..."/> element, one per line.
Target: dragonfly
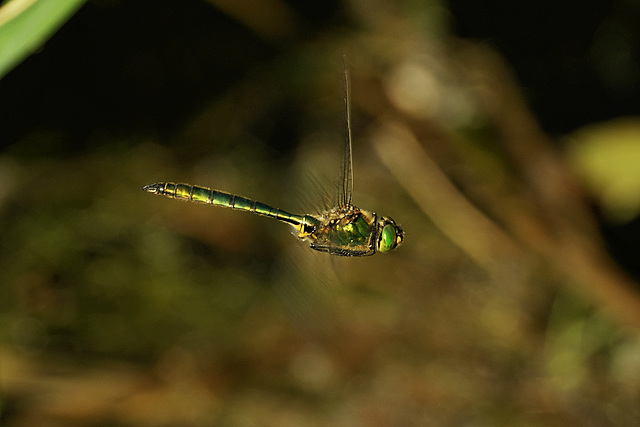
<point x="342" y="230"/>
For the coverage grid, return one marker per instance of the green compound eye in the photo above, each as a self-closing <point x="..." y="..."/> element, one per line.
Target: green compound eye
<point x="391" y="235"/>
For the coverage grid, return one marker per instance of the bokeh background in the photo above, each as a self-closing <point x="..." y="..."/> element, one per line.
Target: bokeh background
<point x="504" y="137"/>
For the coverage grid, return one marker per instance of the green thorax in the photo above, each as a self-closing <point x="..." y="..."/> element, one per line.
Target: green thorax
<point x="345" y="231"/>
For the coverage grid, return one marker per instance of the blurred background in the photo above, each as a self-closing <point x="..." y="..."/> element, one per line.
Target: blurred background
<point x="505" y="138"/>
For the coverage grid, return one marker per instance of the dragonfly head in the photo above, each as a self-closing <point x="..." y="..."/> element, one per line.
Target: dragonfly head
<point x="390" y="235"/>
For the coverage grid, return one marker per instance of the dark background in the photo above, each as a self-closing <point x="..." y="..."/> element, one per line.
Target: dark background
<point x="125" y="67"/>
<point x="171" y="314"/>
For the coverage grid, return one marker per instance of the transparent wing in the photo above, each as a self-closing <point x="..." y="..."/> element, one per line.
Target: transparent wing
<point x="309" y="289"/>
<point x="346" y="177"/>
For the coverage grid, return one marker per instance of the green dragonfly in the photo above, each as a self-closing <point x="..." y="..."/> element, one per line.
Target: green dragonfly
<point x="343" y="230"/>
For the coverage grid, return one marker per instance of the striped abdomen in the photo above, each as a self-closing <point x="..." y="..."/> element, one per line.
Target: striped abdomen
<point x="210" y="196"/>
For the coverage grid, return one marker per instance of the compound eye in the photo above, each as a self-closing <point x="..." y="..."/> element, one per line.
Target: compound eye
<point x="390" y="235"/>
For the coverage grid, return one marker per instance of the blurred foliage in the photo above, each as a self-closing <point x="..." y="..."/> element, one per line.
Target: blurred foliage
<point x="502" y="307"/>
<point x="606" y="156"/>
<point x="25" y="25"/>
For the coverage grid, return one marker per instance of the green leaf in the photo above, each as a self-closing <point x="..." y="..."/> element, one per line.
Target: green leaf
<point x="26" y="24"/>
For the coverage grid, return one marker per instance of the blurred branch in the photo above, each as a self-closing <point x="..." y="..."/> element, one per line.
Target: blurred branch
<point x="545" y="216"/>
<point x="436" y="195"/>
<point x="569" y="240"/>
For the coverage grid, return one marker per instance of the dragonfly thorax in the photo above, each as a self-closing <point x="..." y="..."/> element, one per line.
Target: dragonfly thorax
<point x="349" y="231"/>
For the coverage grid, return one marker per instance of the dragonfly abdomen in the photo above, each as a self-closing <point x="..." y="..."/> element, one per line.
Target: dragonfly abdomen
<point x="194" y="193"/>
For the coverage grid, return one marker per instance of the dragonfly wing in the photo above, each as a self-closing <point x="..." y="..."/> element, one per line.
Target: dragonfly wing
<point x="309" y="290"/>
<point x="346" y="179"/>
